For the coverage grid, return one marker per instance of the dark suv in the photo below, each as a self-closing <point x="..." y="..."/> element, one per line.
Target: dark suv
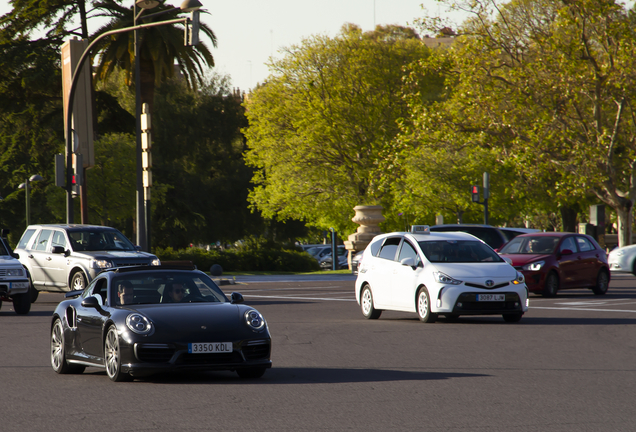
<point x="489" y="234"/>
<point x="67" y="257"/>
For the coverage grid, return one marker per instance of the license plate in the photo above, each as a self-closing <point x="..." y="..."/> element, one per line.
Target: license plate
<point x="491" y="297"/>
<point x="209" y="347"/>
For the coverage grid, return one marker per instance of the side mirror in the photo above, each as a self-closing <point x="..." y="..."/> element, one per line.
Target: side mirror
<point x="237" y="298"/>
<point x="408" y="262"/>
<point x="58" y="250"/>
<point x="91" y="302"/>
<point x="15" y="255"/>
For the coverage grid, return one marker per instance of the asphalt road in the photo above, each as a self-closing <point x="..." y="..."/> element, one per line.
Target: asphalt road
<point x="567" y="366"/>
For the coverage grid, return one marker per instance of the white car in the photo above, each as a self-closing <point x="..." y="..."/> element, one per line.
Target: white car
<point x="438" y="273"/>
<point x="622" y="259"/>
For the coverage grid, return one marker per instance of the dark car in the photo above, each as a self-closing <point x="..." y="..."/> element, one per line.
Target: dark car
<point x="491" y="235"/>
<point x="146" y="330"/>
<point x="554" y="261"/>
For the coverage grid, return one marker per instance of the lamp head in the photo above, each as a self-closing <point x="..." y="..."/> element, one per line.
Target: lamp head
<point x="190" y="5"/>
<point x="146" y="4"/>
<point x="35" y="177"/>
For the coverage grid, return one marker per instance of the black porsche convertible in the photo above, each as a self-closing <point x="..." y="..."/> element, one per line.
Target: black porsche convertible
<point x="138" y="321"/>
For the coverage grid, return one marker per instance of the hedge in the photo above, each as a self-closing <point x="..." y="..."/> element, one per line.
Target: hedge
<point x="241" y="260"/>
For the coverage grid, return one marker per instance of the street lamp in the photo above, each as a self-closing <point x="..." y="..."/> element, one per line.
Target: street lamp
<point x="25" y="186"/>
<point x="186" y="6"/>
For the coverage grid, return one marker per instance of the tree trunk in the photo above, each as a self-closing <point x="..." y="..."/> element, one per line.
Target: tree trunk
<point x="625" y="216"/>
<point x="568" y="218"/>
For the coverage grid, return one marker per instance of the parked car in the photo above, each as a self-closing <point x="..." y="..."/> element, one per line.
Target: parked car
<point x="438" y="273"/>
<point x="14" y="284"/>
<point x="355" y="261"/>
<point x="146" y="330"/>
<point x="67" y="257"/>
<point x="326" y="263"/>
<point x="512" y="232"/>
<point x="489" y="234"/>
<point x="554" y="261"/>
<point x="319" y="251"/>
<point x="623" y="259"/>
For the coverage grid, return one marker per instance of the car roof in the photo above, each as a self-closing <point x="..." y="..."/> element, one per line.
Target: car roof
<point x="67" y="226"/>
<point x="548" y="234"/>
<point x="433" y="236"/>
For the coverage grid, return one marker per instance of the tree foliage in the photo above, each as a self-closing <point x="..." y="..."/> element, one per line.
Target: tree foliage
<point x="322" y="128"/>
<point x="549" y="86"/>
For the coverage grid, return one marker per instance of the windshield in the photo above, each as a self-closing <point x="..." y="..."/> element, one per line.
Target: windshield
<point x="531" y="245"/>
<point x="463" y="251"/>
<point x="165" y="287"/>
<point x="99" y="240"/>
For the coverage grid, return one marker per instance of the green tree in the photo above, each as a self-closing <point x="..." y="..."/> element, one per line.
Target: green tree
<point x="321" y="129"/>
<point x="549" y="84"/>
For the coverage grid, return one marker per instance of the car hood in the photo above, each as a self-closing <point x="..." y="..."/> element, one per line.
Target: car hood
<point x="519" y="260"/>
<point x="113" y="254"/>
<point x="8" y="259"/>
<point x="501" y="270"/>
<point x="194" y="319"/>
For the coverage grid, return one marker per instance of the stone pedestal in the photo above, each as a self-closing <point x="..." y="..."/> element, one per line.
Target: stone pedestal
<point x="369" y="218"/>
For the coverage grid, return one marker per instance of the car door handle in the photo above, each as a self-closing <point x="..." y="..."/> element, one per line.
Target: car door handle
<point x="49" y="258"/>
<point x="30" y="256"/>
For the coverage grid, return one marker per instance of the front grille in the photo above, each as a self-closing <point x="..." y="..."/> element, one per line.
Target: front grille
<point x="154" y="353"/>
<point x="209" y="359"/>
<point x="3" y="272"/>
<point x="130" y="264"/>
<point x="472" y="285"/>
<point x="256" y="350"/>
<point x="469" y="303"/>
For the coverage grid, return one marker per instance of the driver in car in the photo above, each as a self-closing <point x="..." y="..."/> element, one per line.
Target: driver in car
<point x="174" y="292"/>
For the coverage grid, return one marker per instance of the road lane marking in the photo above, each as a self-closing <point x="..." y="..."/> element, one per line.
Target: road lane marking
<point x="298" y="298"/>
<point x="581" y="309"/>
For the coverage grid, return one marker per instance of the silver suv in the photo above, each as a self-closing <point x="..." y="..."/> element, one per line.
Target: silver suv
<point x="67" y="257"/>
<point x="14" y="285"/>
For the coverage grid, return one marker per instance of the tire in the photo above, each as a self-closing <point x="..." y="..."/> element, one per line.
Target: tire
<point x="58" y="351"/>
<point x="602" y="283"/>
<point x="251" y="373"/>
<point x="112" y="357"/>
<point x="33" y="293"/>
<point x="22" y="303"/>
<point x="423" y="306"/>
<point x="366" y="304"/>
<point x="513" y="317"/>
<point x="78" y="281"/>
<point x="551" y="285"/>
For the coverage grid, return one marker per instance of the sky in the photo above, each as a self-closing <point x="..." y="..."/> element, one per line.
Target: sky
<point x="249" y="32"/>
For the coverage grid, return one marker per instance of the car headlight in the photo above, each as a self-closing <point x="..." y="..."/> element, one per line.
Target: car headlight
<point x="15" y="272"/>
<point x="535" y="266"/>
<point x="139" y="324"/>
<point x="155" y="262"/>
<point x="519" y="279"/>
<point x="101" y="264"/>
<point x="445" y="279"/>
<point x="254" y="320"/>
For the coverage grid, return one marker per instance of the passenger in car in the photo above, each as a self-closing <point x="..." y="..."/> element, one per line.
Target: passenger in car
<point x="125" y="292"/>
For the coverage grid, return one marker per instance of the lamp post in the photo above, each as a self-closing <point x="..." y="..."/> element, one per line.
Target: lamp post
<point x="186" y="6"/>
<point x="141" y="208"/>
<point x="25" y="186"/>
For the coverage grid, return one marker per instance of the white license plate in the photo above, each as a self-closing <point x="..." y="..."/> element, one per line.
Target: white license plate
<point x="491" y="297"/>
<point x="209" y="347"/>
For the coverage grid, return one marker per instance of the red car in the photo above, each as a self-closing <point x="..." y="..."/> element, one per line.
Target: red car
<point x="552" y="261"/>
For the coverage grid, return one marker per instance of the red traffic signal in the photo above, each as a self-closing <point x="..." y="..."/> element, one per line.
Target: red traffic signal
<point x="475" y="193"/>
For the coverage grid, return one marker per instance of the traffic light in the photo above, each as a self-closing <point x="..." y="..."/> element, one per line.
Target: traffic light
<point x="475" y="193"/>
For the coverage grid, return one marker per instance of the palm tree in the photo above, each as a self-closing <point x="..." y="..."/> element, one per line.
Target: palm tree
<point x="159" y="48"/>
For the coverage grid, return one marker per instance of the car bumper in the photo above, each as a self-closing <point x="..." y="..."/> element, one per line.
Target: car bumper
<point x="10" y="287"/>
<point x="143" y="359"/>
<point x="620" y="265"/>
<point x="461" y="300"/>
<point x="535" y="280"/>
